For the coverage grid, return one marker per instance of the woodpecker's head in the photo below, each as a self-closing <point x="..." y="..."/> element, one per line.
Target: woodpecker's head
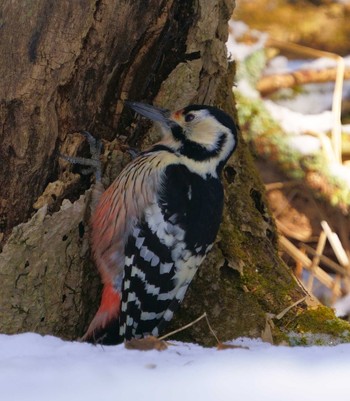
<point x="204" y="134"/>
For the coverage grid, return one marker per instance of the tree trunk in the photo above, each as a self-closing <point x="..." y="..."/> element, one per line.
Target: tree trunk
<point x="68" y="66"/>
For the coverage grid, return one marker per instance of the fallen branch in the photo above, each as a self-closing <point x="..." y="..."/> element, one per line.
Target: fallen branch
<point x="269" y="84"/>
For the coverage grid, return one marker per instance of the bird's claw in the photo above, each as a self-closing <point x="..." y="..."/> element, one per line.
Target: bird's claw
<point x="94" y="144"/>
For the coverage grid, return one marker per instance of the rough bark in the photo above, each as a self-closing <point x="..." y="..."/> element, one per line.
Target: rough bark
<point x="58" y="56"/>
<point x="69" y="68"/>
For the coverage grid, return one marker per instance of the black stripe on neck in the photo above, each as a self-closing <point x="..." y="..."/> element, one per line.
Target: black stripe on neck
<point x="156" y="148"/>
<point x="177" y="132"/>
<point x="195" y="151"/>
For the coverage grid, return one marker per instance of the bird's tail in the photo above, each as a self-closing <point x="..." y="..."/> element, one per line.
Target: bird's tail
<point x="104" y="326"/>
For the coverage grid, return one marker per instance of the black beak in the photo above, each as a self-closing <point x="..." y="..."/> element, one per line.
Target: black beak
<point x="151" y="112"/>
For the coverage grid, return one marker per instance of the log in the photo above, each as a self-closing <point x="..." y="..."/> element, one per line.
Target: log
<point x="269" y="84"/>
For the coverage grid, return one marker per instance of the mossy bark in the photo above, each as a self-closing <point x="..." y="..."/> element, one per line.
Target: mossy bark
<point x="167" y="53"/>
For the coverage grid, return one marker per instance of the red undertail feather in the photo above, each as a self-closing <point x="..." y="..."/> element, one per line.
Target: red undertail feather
<point x="107" y="313"/>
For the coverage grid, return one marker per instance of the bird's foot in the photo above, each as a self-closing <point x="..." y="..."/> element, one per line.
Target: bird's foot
<point x="93" y="164"/>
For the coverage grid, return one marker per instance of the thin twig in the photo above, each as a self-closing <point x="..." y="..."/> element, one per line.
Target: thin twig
<point x="211" y="329"/>
<point x="204" y="316"/>
<point x="184" y="327"/>
<point x="316" y="259"/>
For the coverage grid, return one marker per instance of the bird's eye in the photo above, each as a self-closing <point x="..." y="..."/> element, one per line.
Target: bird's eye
<point x="189" y="117"/>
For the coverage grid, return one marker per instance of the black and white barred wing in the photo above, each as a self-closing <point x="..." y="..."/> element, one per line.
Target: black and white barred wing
<point x="162" y="255"/>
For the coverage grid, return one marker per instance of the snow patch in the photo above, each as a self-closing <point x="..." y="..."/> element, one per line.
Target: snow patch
<point x="294" y="122"/>
<point x="237" y="50"/>
<point x="35" y="368"/>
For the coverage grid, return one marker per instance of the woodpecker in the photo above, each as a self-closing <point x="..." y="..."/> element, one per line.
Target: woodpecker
<point x="153" y="227"/>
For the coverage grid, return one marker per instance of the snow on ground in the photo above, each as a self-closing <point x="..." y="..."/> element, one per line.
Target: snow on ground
<point x="35" y="368"/>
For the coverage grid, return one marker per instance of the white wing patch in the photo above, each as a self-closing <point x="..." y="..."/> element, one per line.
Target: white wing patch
<point x="168" y="233"/>
<point x="189" y="193"/>
<point x="165" y="268"/>
<point x="151" y="315"/>
<point x="184" y="264"/>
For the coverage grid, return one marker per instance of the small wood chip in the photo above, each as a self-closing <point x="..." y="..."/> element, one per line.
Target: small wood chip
<point x="222" y="346"/>
<point x="146" y="344"/>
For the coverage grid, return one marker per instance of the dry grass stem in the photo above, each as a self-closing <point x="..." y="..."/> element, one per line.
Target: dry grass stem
<point x="316" y="259"/>
<point x="203" y="316"/>
<point x="296" y="254"/>
<point x="281" y="314"/>
<point x="184" y="327"/>
<point x="211" y="330"/>
<point x="336" y="244"/>
<point x="328" y="262"/>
